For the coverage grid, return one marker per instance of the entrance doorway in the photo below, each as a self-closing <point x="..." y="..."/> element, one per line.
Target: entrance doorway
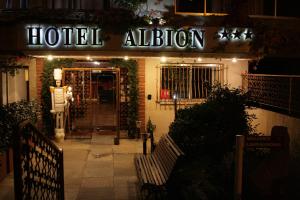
<point x="95" y="108"/>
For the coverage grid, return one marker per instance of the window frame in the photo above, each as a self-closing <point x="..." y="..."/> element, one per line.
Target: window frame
<point x="218" y="68"/>
<point x="205" y="13"/>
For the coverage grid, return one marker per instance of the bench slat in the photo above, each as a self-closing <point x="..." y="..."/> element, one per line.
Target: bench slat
<point x="149" y="176"/>
<point x="161" y="166"/>
<point x="140" y="172"/>
<point x="174" y="145"/>
<point x="168" y="155"/>
<point x="165" y="162"/>
<point x="156" y="168"/>
<point x="155" y="171"/>
<point x="141" y="169"/>
<point x="161" y="169"/>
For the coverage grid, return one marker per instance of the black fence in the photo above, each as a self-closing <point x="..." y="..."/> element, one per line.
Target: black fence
<point x="277" y="92"/>
<point x="38" y="166"/>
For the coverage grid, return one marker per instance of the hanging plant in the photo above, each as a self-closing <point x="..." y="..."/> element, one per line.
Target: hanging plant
<point x="47" y="81"/>
<point x="131" y="65"/>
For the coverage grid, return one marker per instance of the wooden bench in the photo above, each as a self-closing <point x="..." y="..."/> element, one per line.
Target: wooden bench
<point x="154" y="170"/>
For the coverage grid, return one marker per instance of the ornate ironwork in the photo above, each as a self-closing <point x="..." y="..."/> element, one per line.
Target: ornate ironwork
<point x="279" y="91"/>
<point x="38" y="166"/>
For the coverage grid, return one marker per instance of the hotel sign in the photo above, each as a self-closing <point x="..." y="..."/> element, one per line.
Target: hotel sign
<point x="81" y="36"/>
<point x="164" y="38"/>
<point x="64" y="36"/>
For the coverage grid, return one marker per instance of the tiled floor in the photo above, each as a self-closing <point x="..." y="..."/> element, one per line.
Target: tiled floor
<point x="95" y="169"/>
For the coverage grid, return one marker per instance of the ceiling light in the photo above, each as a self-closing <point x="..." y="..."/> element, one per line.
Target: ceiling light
<point x="199" y="59"/>
<point x="126" y="58"/>
<point x="96" y="63"/>
<point x="163" y="59"/>
<point x="234" y="60"/>
<point x="49" y="57"/>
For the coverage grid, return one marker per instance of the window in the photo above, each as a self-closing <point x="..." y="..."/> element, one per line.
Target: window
<point x="202" y="7"/>
<point x="188" y="81"/>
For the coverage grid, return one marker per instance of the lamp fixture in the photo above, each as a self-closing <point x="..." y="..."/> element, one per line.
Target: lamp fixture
<point x="49" y="57"/>
<point x="163" y="59"/>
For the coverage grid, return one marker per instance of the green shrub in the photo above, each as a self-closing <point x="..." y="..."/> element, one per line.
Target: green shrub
<point x="11" y="115"/>
<point x="210" y="128"/>
<point x="206" y="133"/>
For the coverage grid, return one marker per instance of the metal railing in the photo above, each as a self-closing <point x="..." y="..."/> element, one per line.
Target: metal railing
<point x="38" y="165"/>
<point x="277" y="91"/>
<point x="187" y="82"/>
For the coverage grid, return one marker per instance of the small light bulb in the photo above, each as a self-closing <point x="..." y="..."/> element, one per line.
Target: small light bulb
<point x="234" y="60"/>
<point x="126" y="58"/>
<point x="163" y="59"/>
<point x="199" y="59"/>
<point x="50" y="57"/>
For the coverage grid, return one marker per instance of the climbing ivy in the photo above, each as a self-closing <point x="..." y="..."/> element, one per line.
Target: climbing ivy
<point x="47" y="81"/>
<point x="131" y="65"/>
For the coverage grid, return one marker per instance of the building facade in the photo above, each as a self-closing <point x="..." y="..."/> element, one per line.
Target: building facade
<point x="179" y="50"/>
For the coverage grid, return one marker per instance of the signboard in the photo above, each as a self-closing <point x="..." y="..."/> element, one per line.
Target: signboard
<point x="165" y="38"/>
<point x="143" y="38"/>
<point x="164" y="94"/>
<point x="63" y="36"/>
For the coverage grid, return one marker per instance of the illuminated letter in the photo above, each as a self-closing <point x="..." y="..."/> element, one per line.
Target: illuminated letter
<point x="81" y="36"/>
<point x="31" y="36"/>
<point x="157" y="36"/>
<point x="48" y="36"/>
<point x="142" y="38"/>
<point x="169" y="37"/>
<point x="179" y="38"/>
<point x="130" y="39"/>
<point x="196" y="35"/>
<point x="68" y="39"/>
<point x="96" y="40"/>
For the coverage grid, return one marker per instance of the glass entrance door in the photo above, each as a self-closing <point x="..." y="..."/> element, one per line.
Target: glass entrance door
<point x="95" y="100"/>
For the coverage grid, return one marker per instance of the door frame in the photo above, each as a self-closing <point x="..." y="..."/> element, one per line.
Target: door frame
<point x="115" y="70"/>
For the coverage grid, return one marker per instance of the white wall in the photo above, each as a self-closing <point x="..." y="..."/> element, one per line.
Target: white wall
<point x="163" y="115"/>
<point x="16" y="87"/>
<point x="267" y="119"/>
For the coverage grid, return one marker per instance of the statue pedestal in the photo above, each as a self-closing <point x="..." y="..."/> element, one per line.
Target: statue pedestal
<point x="59" y="134"/>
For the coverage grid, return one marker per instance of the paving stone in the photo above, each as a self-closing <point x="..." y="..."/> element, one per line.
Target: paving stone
<point x="125" y="181"/>
<point x="78" y="154"/>
<point x="97" y="182"/>
<point x="95" y="170"/>
<point x="72" y="191"/>
<point x="98" y="169"/>
<point x="102" y="140"/>
<point x="106" y="193"/>
<point x="125" y="193"/>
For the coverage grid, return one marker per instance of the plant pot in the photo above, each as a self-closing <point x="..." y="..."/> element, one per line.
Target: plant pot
<point x="3" y="165"/>
<point x="116" y="140"/>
